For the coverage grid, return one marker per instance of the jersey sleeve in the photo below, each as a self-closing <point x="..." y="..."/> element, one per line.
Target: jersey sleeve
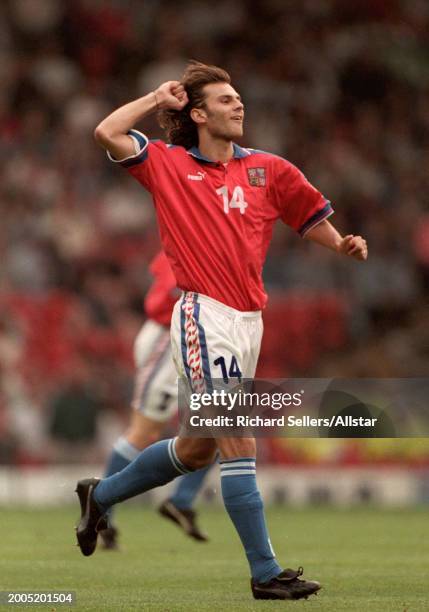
<point x="300" y="205"/>
<point x="148" y="160"/>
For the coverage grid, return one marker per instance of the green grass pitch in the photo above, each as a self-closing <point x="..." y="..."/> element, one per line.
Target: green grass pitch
<point x="367" y="560"/>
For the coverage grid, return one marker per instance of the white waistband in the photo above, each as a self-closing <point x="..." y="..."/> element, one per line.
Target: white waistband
<point x="223" y="309"/>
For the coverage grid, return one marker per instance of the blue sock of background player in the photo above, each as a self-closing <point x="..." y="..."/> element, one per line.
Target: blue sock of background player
<point x="159" y="464"/>
<point x="188" y="487"/>
<point x="122" y="454"/>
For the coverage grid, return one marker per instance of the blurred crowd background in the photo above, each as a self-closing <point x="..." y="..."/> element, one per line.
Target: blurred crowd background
<point x="339" y="88"/>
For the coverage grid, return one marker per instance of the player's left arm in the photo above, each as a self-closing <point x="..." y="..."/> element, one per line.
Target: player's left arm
<point x="325" y="234"/>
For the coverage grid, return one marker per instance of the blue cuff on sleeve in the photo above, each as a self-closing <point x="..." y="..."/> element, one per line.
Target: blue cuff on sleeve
<point x="317" y="218"/>
<point x="141" y="143"/>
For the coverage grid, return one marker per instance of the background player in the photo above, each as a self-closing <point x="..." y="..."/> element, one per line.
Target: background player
<point x="216" y="204"/>
<point x="155" y="402"/>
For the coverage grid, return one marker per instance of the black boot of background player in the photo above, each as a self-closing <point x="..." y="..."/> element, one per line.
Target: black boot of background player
<point x="109" y="538"/>
<point x="185" y="519"/>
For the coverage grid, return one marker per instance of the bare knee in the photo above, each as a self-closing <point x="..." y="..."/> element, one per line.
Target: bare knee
<point x="143" y="431"/>
<point x="232" y="448"/>
<point x="196" y="453"/>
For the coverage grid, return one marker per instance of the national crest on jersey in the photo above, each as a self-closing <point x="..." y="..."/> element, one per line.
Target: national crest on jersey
<point x="256" y="177"/>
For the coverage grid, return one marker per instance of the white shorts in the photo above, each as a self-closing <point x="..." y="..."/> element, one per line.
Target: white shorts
<point x="212" y="341"/>
<point x="155" y="386"/>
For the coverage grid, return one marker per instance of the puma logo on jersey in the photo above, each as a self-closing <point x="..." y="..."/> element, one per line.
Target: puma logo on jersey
<point x="196" y="177"/>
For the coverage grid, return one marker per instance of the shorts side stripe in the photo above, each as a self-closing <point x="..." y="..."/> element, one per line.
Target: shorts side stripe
<point x="165" y="352"/>
<point x="146" y="374"/>
<point x="192" y="358"/>
<point x="183" y="339"/>
<point x="203" y="346"/>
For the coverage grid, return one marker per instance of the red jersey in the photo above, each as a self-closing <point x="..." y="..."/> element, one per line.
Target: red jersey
<point x="163" y="294"/>
<point x="216" y="219"/>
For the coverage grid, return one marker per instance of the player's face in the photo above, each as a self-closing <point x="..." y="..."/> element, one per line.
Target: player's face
<point x="224" y="111"/>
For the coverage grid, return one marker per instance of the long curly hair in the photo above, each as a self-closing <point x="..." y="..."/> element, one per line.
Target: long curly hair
<point x="180" y="128"/>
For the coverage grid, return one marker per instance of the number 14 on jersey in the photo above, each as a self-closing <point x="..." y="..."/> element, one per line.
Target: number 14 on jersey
<point x="237" y="199"/>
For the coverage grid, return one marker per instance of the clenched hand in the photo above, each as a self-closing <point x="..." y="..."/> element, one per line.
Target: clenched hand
<point x="354" y="246"/>
<point x="171" y="95"/>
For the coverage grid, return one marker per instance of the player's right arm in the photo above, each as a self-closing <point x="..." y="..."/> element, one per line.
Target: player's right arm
<point x="112" y="132"/>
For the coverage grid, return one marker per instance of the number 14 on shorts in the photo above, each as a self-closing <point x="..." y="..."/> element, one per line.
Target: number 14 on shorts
<point x="232" y="372"/>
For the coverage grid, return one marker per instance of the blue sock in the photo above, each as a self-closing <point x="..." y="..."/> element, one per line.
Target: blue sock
<point x="155" y="466"/>
<point x="122" y="454"/>
<point x="244" y="505"/>
<point x="188" y="488"/>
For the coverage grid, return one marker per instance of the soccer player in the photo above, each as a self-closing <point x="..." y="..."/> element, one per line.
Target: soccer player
<point x="216" y="204"/>
<point x="155" y="401"/>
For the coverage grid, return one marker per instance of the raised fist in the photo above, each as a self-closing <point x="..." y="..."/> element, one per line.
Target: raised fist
<point x="171" y="95"/>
